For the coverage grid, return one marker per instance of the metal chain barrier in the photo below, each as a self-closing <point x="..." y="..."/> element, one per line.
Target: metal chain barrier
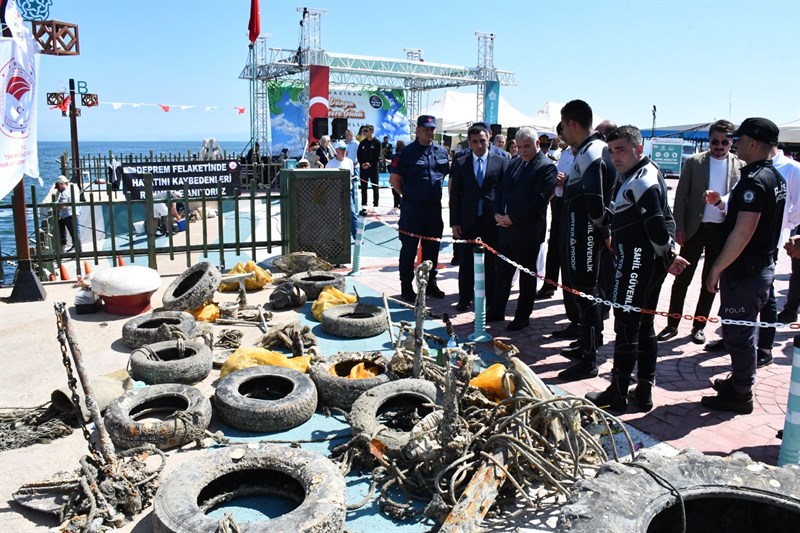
<point x="72" y="382"/>
<point x="625" y="307"/>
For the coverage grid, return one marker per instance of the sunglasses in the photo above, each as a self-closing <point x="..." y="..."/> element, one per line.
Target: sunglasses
<point x="717" y="142"/>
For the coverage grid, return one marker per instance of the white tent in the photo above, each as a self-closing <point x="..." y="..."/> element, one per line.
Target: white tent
<point x="549" y="115"/>
<point x="790" y="132"/>
<point x="456" y="110"/>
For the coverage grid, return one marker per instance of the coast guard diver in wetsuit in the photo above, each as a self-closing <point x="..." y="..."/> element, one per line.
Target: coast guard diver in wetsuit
<point x="585" y="218"/>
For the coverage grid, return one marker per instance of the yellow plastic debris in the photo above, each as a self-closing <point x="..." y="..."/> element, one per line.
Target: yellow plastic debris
<point x="206" y="313"/>
<point x="329" y="297"/>
<point x="246" y="357"/>
<point x="261" y="278"/>
<point x="490" y="382"/>
<point x="359" y="371"/>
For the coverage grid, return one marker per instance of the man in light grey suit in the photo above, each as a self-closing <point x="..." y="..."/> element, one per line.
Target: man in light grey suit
<point x="699" y="225"/>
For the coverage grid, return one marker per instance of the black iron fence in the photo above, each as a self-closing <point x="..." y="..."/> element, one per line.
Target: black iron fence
<point x="122" y="239"/>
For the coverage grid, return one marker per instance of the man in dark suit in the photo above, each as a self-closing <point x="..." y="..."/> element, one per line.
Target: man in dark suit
<point x="521" y="201"/>
<point x="473" y="180"/>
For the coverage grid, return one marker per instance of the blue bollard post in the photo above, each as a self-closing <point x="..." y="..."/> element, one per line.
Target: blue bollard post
<point x="480" y="334"/>
<point x="362" y="222"/>
<point x="790" y="445"/>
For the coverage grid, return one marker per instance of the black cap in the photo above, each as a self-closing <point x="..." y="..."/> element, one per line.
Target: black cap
<point x="760" y="129"/>
<point x="426" y="121"/>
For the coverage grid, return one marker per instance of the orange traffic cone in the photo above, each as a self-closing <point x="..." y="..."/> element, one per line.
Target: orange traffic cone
<point x="120" y="261"/>
<point x="63" y="272"/>
<point x="419" y="256"/>
<point x="86" y="268"/>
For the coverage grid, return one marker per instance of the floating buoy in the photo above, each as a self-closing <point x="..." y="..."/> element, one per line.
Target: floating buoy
<point x="52" y="277"/>
<point x="63" y="272"/>
<point x="87" y="269"/>
<point x="120" y="261"/>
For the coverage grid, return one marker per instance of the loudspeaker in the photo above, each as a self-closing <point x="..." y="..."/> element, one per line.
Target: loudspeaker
<point x="512" y="133"/>
<point x="319" y="127"/>
<point x="497" y="129"/>
<point x="339" y="127"/>
<point x="447" y="140"/>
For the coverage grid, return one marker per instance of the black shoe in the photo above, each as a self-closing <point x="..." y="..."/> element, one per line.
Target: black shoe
<point x="786" y="316"/>
<point x="434" y="291"/>
<point x="572" y="331"/>
<point x="727" y="399"/>
<point x="583" y="369"/>
<point x="667" y="333"/>
<point x="574" y="343"/>
<point x="545" y="292"/>
<point x="407" y="293"/>
<point x="610" y="399"/>
<point x="494" y="317"/>
<point x="573" y="352"/>
<point x="462" y="306"/>
<point x="697" y="336"/>
<point x="763" y="358"/>
<point x="716" y="346"/>
<point x="643" y="395"/>
<point x="518" y="324"/>
<point x="454" y="260"/>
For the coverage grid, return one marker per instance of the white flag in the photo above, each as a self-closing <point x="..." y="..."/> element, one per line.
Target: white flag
<point x="19" y="65"/>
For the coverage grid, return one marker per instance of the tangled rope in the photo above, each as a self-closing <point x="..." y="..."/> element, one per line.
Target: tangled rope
<point x="540" y="442"/>
<point x="229" y="339"/>
<point x="24" y="426"/>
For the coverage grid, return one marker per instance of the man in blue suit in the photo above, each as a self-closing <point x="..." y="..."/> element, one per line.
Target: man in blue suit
<point x="521" y="201"/>
<point x="473" y="180"/>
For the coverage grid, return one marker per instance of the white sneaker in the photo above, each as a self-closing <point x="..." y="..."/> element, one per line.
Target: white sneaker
<point x="392" y="211"/>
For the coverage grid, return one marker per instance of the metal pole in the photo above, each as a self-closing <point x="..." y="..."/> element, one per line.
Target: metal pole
<point x="480" y="334"/>
<point x="790" y="443"/>
<point x="362" y="221"/>
<point x="653" y="131"/>
<point x="106" y="447"/>
<point x="73" y="136"/>
<point x="27" y="287"/>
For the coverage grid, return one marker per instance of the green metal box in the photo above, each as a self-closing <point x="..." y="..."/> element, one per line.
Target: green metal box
<point x="315" y="213"/>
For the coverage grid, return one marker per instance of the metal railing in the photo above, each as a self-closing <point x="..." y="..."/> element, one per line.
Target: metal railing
<point x="121" y="240"/>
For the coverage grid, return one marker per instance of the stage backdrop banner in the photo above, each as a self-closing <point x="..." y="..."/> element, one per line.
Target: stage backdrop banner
<point x="384" y="109"/>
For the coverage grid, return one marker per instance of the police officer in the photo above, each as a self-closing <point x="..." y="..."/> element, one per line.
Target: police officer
<point x="417" y="176"/>
<point x="745" y="268"/>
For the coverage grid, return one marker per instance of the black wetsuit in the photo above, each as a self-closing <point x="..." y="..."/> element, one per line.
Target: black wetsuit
<point x="585" y="218"/>
<point x="643" y="239"/>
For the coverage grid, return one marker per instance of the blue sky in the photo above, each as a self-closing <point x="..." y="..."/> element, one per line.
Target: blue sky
<point x="696" y="61"/>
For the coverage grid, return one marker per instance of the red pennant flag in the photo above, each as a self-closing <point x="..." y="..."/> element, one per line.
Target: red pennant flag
<point x="64" y="105"/>
<point x="255" y="21"/>
<point x="239" y="110"/>
<point x="164" y="108"/>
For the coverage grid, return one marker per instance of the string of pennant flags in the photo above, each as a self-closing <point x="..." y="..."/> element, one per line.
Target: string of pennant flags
<point x="166" y="108"/>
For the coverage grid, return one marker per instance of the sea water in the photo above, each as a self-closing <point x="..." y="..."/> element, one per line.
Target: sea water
<point x="50" y="169"/>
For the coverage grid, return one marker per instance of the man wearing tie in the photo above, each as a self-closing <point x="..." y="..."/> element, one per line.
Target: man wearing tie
<point x="521" y="201"/>
<point x="473" y="180"/>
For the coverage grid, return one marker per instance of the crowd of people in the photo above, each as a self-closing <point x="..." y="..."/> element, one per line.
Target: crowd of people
<point x="614" y="236"/>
